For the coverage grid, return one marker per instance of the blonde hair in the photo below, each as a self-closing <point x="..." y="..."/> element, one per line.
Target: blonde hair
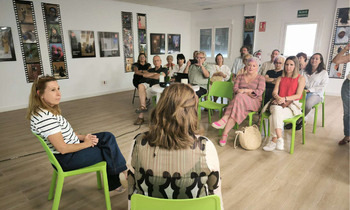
<point x="173" y="123"/>
<point x="296" y="67"/>
<point x="35" y="99"/>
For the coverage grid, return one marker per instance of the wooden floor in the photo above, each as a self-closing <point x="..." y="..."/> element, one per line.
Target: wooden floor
<point x="316" y="176"/>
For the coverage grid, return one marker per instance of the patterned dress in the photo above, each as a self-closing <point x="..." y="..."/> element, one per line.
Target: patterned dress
<point x="172" y="174"/>
<point x="242" y="104"/>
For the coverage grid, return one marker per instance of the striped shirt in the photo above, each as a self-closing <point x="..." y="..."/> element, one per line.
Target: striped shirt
<point x="45" y="124"/>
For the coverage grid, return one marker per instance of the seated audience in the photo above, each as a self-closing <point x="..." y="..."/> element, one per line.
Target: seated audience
<point x="269" y="65"/>
<point x="170" y="64"/>
<point x="316" y="80"/>
<point x="72" y="151"/>
<point x="248" y="90"/>
<point x="150" y="78"/>
<point x="199" y="73"/>
<point x="343" y="57"/>
<point x="221" y="71"/>
<point x="287" y="93"/>
<point x="302" y="57"/>
<point x="140" y="67"/>
<point x="179" y="67"/>
<point x="172" y="160"/>
<point x="271" y="77"/>
<point x="238" y="63"/>
<point x="243" y="70"/>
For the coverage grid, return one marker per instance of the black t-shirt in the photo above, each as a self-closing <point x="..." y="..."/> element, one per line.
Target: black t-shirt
<point x="273" y="74"/>
<point x="154" y="81"/>
<point x="137" y="78"/>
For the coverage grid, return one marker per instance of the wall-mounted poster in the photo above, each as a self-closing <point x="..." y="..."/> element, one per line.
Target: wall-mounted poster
<point x="157" y="44"/>
<point x="248" y="34"/>
<point x="142" y="33"/>
<point x="340" y="38"/>
<point x="128" y="40"/>
<point x="29" y="40"/>
<point x="55" y="41"/>
<point x="7" y="51"/>
<point x="82" y="43"/>
<point x="174" y="42"/>
<point x="109" y="44"/>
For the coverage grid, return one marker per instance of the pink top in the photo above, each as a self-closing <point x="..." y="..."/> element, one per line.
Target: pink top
<point x="288" y="86"/>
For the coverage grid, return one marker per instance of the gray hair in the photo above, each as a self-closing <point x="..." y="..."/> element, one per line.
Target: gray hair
<point x="254" y="59"/>
<point x="279" y="57"/>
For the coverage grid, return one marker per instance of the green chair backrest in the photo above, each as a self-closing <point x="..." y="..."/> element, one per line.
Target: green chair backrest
<point x="221" y="89"/>
<point x="51" y="156"/>
<point x="141" y="202"/>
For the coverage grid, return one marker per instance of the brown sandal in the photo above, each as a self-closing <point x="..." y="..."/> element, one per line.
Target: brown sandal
<point x="141" y="109"/>
<point x="139" y="121"/>
<point x="343" y="141"/>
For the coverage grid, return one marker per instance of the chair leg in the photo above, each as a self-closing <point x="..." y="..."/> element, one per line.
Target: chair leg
<point x="303" y="130"/>
<point x="250" y="120"/>
<point x="53" y="184"/>
<point x="268" y="127"/>
<point x="59" y="186"/>
<point x="315" y="119"/>
<point x="220" y="115"/>
<point x="106" y="190"/>
<point x="323" y="114"/>
<point x="98" y="176"/>
<point x="209" y="116"/>
<point x="293" y="138"/>
<point x="199" y="115"/>
<point x="133" y="97"/>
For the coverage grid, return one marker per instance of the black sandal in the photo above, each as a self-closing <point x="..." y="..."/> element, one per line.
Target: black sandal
<point x="141" y="109"/>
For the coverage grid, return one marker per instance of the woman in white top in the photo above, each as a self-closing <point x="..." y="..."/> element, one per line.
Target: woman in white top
<point x="170" y="64"/>
<point x="222" y="72"/>
<point x="302" y="57"/>
<point x="180" y="66"/>
<point x="316" y="80"/>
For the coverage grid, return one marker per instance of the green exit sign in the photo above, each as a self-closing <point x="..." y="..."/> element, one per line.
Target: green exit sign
<point x="303" y="13"/>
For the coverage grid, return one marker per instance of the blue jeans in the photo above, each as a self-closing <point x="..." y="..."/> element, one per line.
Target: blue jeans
<point x="106" y="150"/>
<point x="345" y="96"/>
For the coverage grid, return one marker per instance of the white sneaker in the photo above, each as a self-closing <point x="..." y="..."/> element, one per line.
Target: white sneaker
<point x="270" y="146"/>
<point x="280" y="144"/>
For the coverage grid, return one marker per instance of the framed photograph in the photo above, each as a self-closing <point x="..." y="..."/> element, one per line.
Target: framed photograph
<point x="25" y="12"/>
<point x="157" y="44"/>
<point x="174" y="42"/>
<point x="141" y="22"/>
<point x="249" y="23"/>
<point x="342" y="35"/>
<point x="7" y="50"/>
<point x="82" y="43"/>
<point x="142" y="36"/>
<point x="54" y="33"/>
<point x="128" y="64"/>
<point x="28" y="33"/>
<point x="143" y="48"/>
<point x="127" y="20"/>
<point x="31" y="53"/>
<point x="343" y="18"/>
<point x="56" y="52"/>
<point x="34" y="71"/>
<point x="109" y="44"/>
<point x="51" y="13"/>
<point x="59" y="70"/>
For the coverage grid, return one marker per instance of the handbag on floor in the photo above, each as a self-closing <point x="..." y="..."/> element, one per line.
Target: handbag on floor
<point x="249" y="138"/>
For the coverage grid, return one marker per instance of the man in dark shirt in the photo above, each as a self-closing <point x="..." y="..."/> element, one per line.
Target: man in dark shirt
<point x="150" y="78"/>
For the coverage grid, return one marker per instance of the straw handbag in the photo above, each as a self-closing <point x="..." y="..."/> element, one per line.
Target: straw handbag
<point x="249" y="138"/>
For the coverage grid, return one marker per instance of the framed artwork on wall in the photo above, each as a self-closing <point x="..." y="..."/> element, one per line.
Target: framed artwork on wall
<point x="128" y="40"/>
<point x="109" y="44"/>
<point x="174" y="43"/>
<point x="82" y="43"/>
<point x="157" y="44"/>
<point x="340" y="38"/>
<point x="28" y="38"/>
<point x="142" y="33"/>
<point x="7" y="50"/>
<point x="248" y="32"/>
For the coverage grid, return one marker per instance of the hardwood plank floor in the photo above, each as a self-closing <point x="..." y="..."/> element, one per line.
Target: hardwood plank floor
<point x="316" y="176"/>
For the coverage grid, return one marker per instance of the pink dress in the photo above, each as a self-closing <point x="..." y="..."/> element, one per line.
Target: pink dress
<point x="242" y="104"/>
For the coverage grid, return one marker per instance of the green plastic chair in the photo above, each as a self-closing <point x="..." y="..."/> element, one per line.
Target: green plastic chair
<point x="218" y="89"/>
<point x="292" y="120"/>
<point x="141" y="202"/>
<point x="98" y="168"/>
<point x="316" y="112"/>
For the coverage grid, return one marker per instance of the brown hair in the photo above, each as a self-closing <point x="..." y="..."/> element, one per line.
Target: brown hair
<point x="173" y="123"/>
<point x="296" y="68"/>
<point x="35" y="100"/>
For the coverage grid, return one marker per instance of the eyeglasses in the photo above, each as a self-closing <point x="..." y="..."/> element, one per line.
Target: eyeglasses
<point x="278" y="63"/>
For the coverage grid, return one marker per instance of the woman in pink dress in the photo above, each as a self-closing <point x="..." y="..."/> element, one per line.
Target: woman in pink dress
<point x="248" y="90"/>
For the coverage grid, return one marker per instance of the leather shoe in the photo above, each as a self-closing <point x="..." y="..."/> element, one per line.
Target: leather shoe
<point x="288" y="126"/>
<point x="139" y="121"/>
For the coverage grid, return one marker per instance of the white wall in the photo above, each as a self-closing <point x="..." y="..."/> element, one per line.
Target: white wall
<point x="86" y="75"/>
<point x="276" y="15"/>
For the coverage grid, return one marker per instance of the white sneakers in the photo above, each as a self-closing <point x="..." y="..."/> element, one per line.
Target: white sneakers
<point x="279" y="145"/>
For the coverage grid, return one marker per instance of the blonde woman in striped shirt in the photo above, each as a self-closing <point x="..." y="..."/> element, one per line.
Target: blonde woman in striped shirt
<point x="72" y="151"/>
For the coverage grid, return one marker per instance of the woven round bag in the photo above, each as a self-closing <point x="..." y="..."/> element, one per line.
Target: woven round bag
<point x="249" y="138"/>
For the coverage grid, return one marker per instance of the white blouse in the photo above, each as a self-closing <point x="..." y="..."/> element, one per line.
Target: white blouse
<point x="177" y="69"/>
<point x="224" y="69"/>
<point x="316" y="82"/>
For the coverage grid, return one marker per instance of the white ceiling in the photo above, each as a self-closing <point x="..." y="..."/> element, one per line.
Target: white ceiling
<point x="194" y="5"/>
